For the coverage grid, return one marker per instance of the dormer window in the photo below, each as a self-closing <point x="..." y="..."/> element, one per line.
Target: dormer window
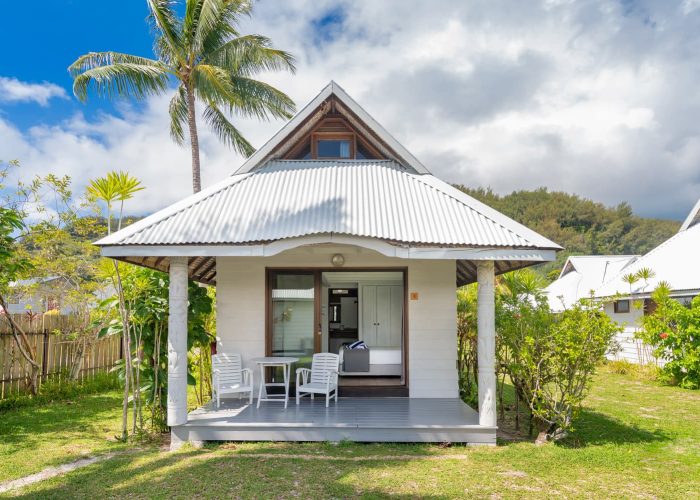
<point x="333" y="138"/>
<point x="333" y="148"/>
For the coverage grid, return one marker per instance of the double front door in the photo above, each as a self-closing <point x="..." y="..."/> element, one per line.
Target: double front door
<point x="382" y="315"/>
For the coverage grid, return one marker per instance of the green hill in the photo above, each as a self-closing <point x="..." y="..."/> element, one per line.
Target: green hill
<point x="580" y="225"/>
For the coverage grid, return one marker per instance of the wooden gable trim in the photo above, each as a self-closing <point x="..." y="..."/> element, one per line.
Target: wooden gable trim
<point x="332" y="126"/>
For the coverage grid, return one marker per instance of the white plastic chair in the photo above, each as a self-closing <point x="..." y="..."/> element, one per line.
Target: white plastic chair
<point x="322" y="378"/>
<point x="230" y="377"/>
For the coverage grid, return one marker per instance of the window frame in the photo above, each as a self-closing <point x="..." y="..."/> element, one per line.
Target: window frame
<point x="616" y="306"/>
<point x="325" y="136"/>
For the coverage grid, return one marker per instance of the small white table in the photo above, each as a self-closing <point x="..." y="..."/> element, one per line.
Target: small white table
<point x="286" y="364"/>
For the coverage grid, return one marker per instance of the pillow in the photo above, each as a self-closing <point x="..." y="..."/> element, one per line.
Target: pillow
<point x="359" y="344"/>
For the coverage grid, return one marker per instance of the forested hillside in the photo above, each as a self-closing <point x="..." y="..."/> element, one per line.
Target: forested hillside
<point x="581" y="226"/>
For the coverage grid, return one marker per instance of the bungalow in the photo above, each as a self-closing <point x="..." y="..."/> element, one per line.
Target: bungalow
<point x="603" y="277"/>
<point x="333" y="232"/>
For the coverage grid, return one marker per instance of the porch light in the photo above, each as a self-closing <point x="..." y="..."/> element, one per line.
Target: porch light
<point x="338" y="260"/>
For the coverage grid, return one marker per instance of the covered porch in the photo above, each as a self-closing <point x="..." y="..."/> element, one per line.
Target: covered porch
<point x="355" y="419"/>
<point x="432" y="413"/>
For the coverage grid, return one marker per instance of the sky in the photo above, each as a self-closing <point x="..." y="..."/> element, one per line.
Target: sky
<point x="598" y="98"/>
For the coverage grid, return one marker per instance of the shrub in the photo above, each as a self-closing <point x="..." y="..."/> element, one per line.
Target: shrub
<point x="673" y="330"/>
<point x="549" y="358"/>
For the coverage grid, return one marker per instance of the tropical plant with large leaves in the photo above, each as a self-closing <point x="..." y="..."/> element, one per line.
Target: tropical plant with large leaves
<point x="212" y="63"/>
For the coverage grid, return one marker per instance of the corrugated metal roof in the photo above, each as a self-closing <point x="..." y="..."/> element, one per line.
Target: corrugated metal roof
<point x="581" y="275"/>
<point x="366" y="198"/>
<point x="675" y="261"/>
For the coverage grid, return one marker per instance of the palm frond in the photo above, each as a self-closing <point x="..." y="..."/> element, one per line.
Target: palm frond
<point x="178" y="116"/>
<point x="240" y="95"/>
<point x="251" y="54"/>
<point x="219" y="21"/>
<point x="213" y="84"/>
<point x="193" y="12"/>
<point x="122" y="79"/>
<point x="97" y="59"/>
<point x="225" y="130"/>
<point x="166" y="22"/>
<point x="258" y="99"/>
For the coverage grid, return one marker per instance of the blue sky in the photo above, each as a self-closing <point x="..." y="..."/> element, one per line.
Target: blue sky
<point x="65" y="30"/>
<point x="599" y="98"/>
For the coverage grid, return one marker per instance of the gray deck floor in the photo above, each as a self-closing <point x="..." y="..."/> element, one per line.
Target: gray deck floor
<point x="357" y="419"/>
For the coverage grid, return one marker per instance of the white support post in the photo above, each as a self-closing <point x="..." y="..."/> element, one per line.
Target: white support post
<point x="486" y="342"/>
<point x="177" y="342"/>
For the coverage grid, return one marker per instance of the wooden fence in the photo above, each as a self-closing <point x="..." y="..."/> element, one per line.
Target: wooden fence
<point x="51" y="339"/>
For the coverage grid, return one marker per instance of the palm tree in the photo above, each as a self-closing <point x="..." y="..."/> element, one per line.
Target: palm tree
<point x="630" y="279"/>
<point x="646" y="274"/>
<point x="119" y="186"/>
<point x="211" y="62"/>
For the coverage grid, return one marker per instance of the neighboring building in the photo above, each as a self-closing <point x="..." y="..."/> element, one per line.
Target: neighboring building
<point x="41" y="295"/>
<point x="675" y="262"/>
<point x="37" y="295"/>
<point x="582" y="275"/>
<point x="333" y="231"/>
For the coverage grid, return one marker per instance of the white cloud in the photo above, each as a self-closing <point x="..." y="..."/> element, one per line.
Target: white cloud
<point x="597" y="98"/>
<point x="14" y="90"/>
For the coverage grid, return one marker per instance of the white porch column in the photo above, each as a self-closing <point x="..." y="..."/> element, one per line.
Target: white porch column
<point x="177" y="342"/>
<point x="486" y="342"/>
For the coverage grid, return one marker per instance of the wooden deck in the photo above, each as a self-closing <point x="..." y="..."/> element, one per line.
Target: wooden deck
<point x="354" y="419"/>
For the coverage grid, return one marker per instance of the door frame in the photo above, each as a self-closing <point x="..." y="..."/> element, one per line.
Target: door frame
<point x="271" y="272"/>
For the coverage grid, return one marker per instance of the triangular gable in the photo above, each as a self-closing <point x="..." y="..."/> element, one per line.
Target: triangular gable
<point x="361" y="121"/>
<point x="693" y="218"/>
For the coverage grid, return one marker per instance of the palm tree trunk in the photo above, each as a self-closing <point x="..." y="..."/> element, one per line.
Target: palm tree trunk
<point x="194" y="141"/>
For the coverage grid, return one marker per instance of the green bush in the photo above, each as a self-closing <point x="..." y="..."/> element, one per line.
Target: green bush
<point x="61" y="390"/>
<point x="673" y="330"/>
<point x="549" y="358"/>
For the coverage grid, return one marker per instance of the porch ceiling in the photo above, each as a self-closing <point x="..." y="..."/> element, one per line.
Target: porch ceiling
<point x="203" y="269"/>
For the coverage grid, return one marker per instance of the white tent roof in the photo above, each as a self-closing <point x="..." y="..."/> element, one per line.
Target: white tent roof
<point x="583" y="274"/>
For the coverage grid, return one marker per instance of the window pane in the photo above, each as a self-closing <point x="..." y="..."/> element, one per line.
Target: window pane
<point x="333" y="149"/>
<point x="293" y="319"/>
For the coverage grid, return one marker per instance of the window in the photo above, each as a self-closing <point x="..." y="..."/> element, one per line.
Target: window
<point x="333" y="148"/>
<point x="622" y="306"/>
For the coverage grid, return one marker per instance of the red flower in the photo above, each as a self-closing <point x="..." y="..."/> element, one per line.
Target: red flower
<point x="663" y="335"/>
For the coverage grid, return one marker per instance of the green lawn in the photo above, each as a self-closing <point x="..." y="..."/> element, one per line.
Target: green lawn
<point x="37" y="437"/>
<point x="634" y="439"/>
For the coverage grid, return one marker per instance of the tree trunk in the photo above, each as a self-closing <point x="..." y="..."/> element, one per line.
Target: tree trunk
<point x="25" y="348"/>
<point x="194" y="141"/>
<point x="78" y="360"/>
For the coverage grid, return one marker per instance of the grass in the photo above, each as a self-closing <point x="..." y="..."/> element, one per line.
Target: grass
<point x="634" y="438"/>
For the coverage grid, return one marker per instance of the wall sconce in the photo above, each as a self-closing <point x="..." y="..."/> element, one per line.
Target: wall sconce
<point x="338" y="260"/>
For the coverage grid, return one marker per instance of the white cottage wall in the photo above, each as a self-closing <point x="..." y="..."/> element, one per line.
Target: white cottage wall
<point x="432" y="316"/>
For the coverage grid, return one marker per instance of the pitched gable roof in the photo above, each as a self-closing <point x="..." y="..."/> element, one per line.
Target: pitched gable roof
<point x="582" y="274"/>
<point x="394" y="206"/>
<point x="693" y="217"/>
<point x="674" y="261"/>
<point x="315" y="110"/>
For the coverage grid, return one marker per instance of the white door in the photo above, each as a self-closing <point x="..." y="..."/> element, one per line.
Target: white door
<point x="369" y="314"/>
